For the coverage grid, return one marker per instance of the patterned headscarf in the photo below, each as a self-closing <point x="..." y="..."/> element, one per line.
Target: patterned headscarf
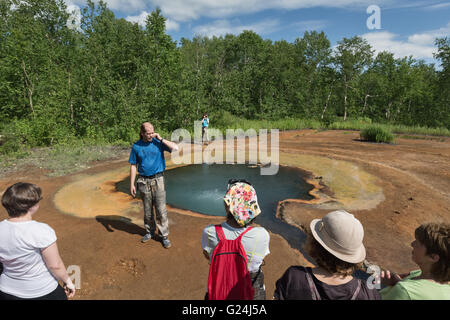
<point x="242" y="202"/>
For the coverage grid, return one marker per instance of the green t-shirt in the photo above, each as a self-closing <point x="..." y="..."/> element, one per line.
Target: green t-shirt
<point x="410" y="289"/>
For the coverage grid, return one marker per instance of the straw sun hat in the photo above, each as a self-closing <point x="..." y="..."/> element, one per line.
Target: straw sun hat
<point x="341" y="234"/>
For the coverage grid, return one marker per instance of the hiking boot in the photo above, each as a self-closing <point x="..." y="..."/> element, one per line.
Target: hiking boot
<point x="146" y="238"/>
<point x="166" y="242"/>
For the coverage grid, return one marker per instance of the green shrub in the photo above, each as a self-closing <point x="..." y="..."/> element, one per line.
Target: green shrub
<point x="10" y="144"/>
<point x="376" y="134"/>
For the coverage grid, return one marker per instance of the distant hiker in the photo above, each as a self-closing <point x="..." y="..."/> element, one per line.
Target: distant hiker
<point x="147" y="155"/>
<point x="431" y="252"/>
<point x="31" y="262"/>
<point x="237" y="261"/>
<point x="335" y="243"/>
<point x="205" y="124"/>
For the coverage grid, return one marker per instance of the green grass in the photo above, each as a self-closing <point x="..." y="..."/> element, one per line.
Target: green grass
<point x="422" y="137"/>
<point x="376" y="133"/>
<point x="355" y="124"/>
<point x="61" y="159"/>
<point x="76" y="154"/>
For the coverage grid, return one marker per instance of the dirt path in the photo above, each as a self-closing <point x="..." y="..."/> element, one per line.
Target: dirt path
<point x="413" y="176"/>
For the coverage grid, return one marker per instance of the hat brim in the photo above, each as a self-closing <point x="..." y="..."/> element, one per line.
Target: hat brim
<point x="320" y="235"/>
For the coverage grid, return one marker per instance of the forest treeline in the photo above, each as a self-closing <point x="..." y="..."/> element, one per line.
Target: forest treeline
<point x="100" y="79"/>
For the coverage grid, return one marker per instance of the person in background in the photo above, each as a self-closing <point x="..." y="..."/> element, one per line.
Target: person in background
<point x="31" y="262"/>
<point x="147" y="159"/>
<point x="241" y="206"/>
<point x="431" y="252"/>
<point x="335" y="242"/>
<point x="205" y="124"/>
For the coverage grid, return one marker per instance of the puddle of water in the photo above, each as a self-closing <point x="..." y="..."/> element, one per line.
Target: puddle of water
<point x="107" y="193"/>
<point x="96" y="195"/>
<point x="200" y="188"/>
<point x="353" y="188"/>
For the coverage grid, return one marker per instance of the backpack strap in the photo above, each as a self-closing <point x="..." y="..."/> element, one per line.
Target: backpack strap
<point x="358" y="288"/>
<point x="245" y="231"/>
<point x="315" y="294"/>
<point x="312" y="287"/>
<point x="219" y="232"/>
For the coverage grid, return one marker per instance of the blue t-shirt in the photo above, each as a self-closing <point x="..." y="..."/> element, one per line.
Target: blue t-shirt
<point x="149" y="157"/>
<point x="205" y="122"/>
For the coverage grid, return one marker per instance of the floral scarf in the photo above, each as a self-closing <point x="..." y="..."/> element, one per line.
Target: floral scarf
<point x="242" y="202"/>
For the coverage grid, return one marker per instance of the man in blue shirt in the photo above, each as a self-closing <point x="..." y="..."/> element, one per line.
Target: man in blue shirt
<point x="147" y="158"/>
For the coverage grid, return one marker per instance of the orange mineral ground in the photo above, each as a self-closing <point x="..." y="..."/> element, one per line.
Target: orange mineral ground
<point x="391" y="189"/>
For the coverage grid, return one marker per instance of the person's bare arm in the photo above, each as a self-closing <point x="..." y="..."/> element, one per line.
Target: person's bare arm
<point x="389" y="278"/>
<point x="172" y="145"/>
<point x="56" y="266"/>
<point x="132" y="179"/>
<point x="205" y="253"/>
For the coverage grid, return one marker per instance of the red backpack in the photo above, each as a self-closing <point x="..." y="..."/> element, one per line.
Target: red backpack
<point x="229" y="278"/>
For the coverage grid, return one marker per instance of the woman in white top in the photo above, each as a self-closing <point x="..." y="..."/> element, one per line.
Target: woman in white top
<point x="241" y="205"/>
<point x="31" y="262"/>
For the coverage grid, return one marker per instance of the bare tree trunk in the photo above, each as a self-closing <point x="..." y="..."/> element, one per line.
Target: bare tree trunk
<point x="197" y="80"/>
<point x="30" y="88"/>
<point x="91" y="93"/>
<point x="345" y="102"/>
<point x="70" y="102"/>
<point x="365" y="104"/>
<point x="326" y="103"/>
<point x="260" y="97"/>
<point x="388" y="110"/>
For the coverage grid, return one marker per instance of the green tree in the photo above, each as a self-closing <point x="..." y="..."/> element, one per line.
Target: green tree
<point x="352" y="56"/>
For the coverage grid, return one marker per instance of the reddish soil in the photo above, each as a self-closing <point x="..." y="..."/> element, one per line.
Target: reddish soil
<point x="413" y="174"/>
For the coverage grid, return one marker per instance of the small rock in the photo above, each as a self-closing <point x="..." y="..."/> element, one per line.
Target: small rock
<point x="396" y="212"/>
<point x="411" y="198"/>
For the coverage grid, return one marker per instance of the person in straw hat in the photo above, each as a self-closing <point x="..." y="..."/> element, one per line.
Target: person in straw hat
<point x="335" y="242"/>
<point x="241" y="206"/>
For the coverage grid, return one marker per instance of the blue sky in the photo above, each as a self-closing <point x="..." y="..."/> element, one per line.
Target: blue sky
<point x="407" y="27"/>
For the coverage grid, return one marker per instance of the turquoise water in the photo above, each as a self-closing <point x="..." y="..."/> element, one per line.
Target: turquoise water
<point x="201" y="188"/>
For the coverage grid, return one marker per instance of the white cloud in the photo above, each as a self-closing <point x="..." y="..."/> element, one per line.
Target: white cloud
<point x="186" y="10"/>
<point x="74" y="21"/>
<point x="140" y="20"/>
<point x="438" y="6"/>
<point x="223" y="27"/>
<point x="172" y="25"/>
<point x="127" y="6"/>
<point x="420" y="45"/>
<point x="309" y="25"/>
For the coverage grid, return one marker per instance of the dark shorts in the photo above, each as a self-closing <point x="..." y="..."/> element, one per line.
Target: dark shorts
<point x="258" y="285"/>
<point x="57" y="294"/>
